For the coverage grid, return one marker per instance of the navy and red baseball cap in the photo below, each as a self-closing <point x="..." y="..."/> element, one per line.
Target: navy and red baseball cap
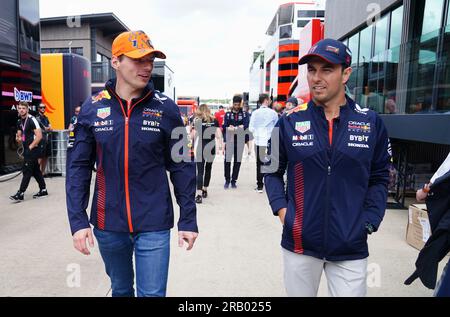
<point x="330" y="50"/>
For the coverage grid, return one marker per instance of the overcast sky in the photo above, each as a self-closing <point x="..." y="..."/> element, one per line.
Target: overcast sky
<point x="208" y="43"/>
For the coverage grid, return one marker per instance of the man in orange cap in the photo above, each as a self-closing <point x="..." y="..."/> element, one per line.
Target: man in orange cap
<point x="127" y="130"/>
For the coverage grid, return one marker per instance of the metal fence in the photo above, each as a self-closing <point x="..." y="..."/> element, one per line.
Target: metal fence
<point x="58" y="152"/>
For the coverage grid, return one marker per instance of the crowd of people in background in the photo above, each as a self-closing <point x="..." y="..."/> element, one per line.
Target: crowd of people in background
<point x="231" y="133"/>
<point x="228" y="132"/>
<point x="34" y="136"/>
<point x="318" y="178"/>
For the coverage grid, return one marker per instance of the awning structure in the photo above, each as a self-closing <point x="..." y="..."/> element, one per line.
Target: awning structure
<point x="430" y="128"/>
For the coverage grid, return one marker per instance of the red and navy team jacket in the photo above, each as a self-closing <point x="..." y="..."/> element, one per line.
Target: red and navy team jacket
<point x="236" y="119"/>
<point x="337" y="174"/>
<point x="131" y="144"/>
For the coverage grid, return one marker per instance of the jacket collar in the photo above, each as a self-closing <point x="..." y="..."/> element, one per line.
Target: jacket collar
<point x="111" y="86"/>
<point x="350" y="105"/>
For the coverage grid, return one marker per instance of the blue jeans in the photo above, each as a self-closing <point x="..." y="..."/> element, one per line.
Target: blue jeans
<point x="443" y="287"/>
<point x="152" y="252"/>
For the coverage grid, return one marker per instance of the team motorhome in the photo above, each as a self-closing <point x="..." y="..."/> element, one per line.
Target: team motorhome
<point x="66" y="84"/>
<point x="309" y="36"/>
<point x="188" y="104"/>
<point x="20" y="78"/>
<point x="276" y="67"/>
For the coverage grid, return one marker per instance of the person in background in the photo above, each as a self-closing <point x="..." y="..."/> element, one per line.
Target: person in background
<point x="46" y="128"/>
<point x="205" y="131"/>
<point x="73" y="120"/>
<point x="235" y="124"/>
<point x="262" y="122"/>
<point x="278" y="107"/>
<point x="437" y="198"/>
<point x="390" y="106"/>
<point x="249" y="141"/>
<point x="291" y="103"/>
<point x="29" y="135"/>
<point x="220" y="116"/>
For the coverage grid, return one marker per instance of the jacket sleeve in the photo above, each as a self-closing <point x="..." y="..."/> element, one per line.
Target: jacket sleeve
<point x="80" y="160"/>
<point x="376" y="197"/>
<point x="181" y="167"/>
<point x="443" y="169"/>
<point x="274" y="170"/>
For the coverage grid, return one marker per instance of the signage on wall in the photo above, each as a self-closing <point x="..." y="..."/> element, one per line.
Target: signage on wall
<point x="22" y="95"/>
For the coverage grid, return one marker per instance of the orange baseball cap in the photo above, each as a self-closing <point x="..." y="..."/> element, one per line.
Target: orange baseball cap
<point x="134" y="44"/>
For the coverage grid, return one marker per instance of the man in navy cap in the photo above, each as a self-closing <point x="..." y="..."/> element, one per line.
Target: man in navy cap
<point x="291" y="103"/>
<point x="337" y="156"/>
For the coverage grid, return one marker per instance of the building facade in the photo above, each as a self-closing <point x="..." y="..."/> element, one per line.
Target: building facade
<point x="20" y="78"/>
<point x="401" y="69"/>
<point x="281" y="54"/>
<point x="401" y="56"/>
<point x="90" y="36"/>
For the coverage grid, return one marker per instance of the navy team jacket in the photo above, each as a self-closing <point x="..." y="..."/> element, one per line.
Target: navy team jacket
<point x="337" y="173"/>
<point x="236" y="119"/>
<point x="131" y="144"/>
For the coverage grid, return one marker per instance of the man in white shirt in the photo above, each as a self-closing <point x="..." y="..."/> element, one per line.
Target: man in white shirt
<point x="261" y="125"/>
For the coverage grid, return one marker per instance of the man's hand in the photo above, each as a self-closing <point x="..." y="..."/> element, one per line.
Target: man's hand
<point x="188" y="237"/>
<point x="79" y="240"/>
<point x="282" y="214"/>
<point x="421" y="196"/>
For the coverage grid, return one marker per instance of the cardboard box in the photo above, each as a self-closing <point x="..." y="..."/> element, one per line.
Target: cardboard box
<point x="418" y="230"/>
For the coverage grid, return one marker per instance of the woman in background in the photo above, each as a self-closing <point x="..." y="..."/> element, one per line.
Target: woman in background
<point x="205" y="131"/>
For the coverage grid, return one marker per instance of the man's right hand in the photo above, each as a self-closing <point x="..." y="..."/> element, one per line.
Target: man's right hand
<point x="79" y="240"/>
<point x="422" y="194"/>
<point x="282" y="214"/>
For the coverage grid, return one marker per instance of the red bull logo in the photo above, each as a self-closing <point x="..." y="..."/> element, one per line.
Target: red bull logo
<point x="300" y="108"/>
<point x="100" y="96"/>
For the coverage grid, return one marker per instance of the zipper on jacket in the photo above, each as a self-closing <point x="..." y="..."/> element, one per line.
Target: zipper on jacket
<point x="327" y="200"/>
<point x="327" y="214"/>
<point x="127" y="116"/>
<point x="126" y="160"/>
<point x="330" y="131"/>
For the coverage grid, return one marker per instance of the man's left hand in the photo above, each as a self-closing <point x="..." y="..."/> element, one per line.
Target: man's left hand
<point x="421" y="196"/>
<point x="188" y="237"/>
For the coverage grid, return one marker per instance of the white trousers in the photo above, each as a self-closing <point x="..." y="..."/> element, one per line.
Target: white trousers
<point x="302" y="276"/>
